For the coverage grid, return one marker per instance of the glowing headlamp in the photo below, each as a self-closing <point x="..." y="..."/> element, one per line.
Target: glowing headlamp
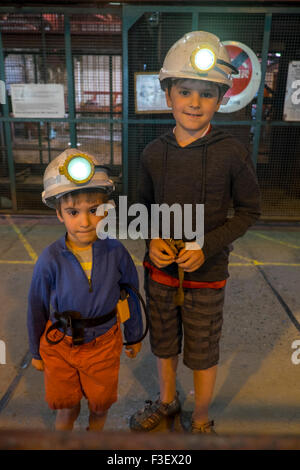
<point x="78" y="168"/>
<point x="203" y="59"/>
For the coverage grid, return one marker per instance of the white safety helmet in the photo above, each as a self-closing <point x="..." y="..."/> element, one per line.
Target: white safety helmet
<point x="198" y="55"/>
<point x="73" y="170"/>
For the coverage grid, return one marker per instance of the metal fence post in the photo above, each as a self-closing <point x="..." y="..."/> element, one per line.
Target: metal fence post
<point x="195" y="21"/>
<point x="260" y="95"/>
<point x="7" y="133"/>
<point x="70" y="75"/>
<point x="125" y="29"/>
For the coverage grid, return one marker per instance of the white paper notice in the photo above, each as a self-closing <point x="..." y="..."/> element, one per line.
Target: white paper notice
<point x="38" y="100"/>
<point x="291" y="111"/>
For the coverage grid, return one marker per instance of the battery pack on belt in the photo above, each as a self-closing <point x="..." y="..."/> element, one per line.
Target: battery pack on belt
<point x="72" y="319"/>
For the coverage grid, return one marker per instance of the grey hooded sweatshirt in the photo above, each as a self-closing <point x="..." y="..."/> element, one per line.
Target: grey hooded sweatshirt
<point x="214" y="170"/>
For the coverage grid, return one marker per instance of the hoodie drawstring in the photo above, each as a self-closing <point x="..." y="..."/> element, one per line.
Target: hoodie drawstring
<point x="164" y="172"/>
<point x="176" y="245"/>
<point x="203" y="176"/>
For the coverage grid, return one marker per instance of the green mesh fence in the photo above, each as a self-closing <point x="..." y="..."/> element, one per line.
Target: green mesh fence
<point x="100" y="119"/>
<point x="148" y="42"/>
<point x="278" y="164"/>
<point x="34" y="50"/>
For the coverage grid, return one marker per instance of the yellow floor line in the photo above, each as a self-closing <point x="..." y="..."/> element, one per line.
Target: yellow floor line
<point x="240" y="264"/>
<point x="250" y="260"/>
<point x="5" y="261"/>
<point x="26" y="244"/>
<point x="136" y="261"/>
<point x="289" y="245"/>
<point x="260" y="263"/>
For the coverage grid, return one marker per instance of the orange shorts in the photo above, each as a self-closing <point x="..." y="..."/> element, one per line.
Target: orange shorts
<point x="90" y="370"/>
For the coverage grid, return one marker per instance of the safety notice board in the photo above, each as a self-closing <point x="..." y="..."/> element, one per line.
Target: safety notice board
<point x="38" y="100"/>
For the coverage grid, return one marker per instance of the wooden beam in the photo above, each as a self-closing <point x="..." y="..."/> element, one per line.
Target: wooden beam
<point x="126" y="440"/>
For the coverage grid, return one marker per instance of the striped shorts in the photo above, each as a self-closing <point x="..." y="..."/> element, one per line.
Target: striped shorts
<point x="198" y="321"/>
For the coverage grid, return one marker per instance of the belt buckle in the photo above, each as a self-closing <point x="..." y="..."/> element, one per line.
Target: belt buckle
<point x="69" y="321"/>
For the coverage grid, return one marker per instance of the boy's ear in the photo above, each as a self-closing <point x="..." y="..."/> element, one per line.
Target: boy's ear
<point x="168" y="98"/>
<point x="59" y="216"/>
<point x="222" y="93"/>
<point x="218" y="104"/>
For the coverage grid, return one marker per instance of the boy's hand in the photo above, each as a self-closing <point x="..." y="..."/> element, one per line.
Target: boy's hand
<point x="133" y="349"/>
<point x="160" y="253"/>
<point x="38" y="364"/>
<point x="190" y="260"/>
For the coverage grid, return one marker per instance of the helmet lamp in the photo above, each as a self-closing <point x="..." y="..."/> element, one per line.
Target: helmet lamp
<point x="78" y="168"/>
<point x="203" y="59"/>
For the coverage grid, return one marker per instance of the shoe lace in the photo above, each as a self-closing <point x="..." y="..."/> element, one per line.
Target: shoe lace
<point x="148" y="404"/>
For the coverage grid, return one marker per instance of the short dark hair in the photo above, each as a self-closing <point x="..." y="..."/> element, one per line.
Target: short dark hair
<point x="73" y="195"/>
<point x="167" y="84"/>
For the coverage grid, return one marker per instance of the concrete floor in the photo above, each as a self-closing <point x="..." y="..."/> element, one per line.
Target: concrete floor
<point x="258" y="385"/>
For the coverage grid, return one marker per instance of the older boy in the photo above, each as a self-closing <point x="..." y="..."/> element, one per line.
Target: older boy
<point x="195" y="163"/>
<point x="72" y="316"/>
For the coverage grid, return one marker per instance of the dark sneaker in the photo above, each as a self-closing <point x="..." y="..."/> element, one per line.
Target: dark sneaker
<point x="206" y="428"/>
<point x="153" y="414"/>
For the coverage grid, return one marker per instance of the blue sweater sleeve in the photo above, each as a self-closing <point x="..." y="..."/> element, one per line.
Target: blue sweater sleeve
<point x="133" y="327"/>
<point x="38" y="305"/>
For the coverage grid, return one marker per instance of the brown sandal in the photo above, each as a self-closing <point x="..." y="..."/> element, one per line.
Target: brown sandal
<point x="206" y="428"/>
<point x="151" y="416"/>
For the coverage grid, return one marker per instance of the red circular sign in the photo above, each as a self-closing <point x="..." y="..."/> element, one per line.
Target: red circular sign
<point x="242" y="61"/>
<point x="245" y="85"/>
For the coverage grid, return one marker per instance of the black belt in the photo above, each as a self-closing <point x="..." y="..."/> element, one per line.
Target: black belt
<point x="72" y="319"/>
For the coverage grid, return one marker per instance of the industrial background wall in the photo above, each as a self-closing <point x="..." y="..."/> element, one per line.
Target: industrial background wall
<point x="95" y="54"/>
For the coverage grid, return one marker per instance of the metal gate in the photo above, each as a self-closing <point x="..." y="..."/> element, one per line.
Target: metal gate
<point x="96" y="57"/>
<point x="82" y="52"/>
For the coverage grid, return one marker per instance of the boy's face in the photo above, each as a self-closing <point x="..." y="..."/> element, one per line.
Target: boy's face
<point x="79" y="217"/>
<point x="193" y="103"/>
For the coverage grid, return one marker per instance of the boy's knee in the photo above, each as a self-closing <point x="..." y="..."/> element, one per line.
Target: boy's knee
<point x="69" y="412"/>
<point x="99" y="413"/>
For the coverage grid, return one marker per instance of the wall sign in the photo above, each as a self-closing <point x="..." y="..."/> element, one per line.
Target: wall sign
<point x="246" y="84"/>
<point x="291" y="110"/>
<point x="149" y="97"/>
<point x="38" y="100"/>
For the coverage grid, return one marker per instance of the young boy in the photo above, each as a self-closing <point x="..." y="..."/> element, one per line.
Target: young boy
<point x="196" y="163"/>
<point x="79" y="277"/>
